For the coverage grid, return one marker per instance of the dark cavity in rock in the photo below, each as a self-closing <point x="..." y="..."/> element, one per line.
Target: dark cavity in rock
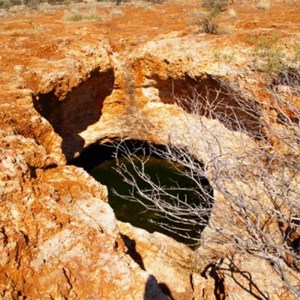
<point x="80" y="108"/>
<point x="214" y="98"/>
<point x="103" y="163"/>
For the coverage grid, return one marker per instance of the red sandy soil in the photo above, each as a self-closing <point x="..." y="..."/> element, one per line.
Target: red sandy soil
<point x="27" y="35"/>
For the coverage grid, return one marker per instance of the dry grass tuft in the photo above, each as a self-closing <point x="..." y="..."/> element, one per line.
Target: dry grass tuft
<point x="77" y="16"/>
<point x="232" y="13"/>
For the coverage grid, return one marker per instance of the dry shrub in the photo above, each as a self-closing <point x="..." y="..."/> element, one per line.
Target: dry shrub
<point x="209" y="24"/>
<point x="257" y="173"/>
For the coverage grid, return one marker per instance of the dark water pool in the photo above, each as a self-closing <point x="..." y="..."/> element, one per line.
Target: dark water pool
<point x="160" y="171"/>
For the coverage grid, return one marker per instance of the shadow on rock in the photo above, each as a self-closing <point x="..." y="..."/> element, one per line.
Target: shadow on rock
<point x="81" y="108"/>
<point x="154" y="291"/>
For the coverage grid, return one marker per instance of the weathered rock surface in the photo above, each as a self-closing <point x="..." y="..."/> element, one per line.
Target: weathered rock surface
<point x="170" y="262"/>
<point x="58" y="237"/>
<point x="20" y="118"/>
<point x="236" y="276"/>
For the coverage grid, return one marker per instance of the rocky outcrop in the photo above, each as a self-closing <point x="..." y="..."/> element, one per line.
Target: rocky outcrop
<point x="58" y="237"/>
<point x="20" y="118"/>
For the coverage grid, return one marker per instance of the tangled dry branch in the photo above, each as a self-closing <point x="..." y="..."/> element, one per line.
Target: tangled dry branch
<point x="252" y="164"/>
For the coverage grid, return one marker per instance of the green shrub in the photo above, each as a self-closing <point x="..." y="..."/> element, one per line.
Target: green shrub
<point x="271" y="57"/>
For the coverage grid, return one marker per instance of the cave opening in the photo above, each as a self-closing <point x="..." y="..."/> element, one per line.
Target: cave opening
<point x="214" y="98"/>
<point x="161" y="188"/>
<point x="74" y="112"/>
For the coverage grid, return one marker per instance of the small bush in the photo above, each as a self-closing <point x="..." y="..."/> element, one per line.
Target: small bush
<point x="208" y="23"/>
<point x="270" y="54"/>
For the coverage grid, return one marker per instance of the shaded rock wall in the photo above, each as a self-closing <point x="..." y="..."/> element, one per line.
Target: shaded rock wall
<point x="81" y="108"/>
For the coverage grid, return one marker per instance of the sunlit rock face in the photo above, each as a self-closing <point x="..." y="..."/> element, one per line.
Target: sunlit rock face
<point x="59" y="237"/>
<point x="168" y="261"/>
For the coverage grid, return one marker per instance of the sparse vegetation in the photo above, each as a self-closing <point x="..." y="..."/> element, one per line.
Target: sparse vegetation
<point x="34" y="4"/>
<point x="9" y="3"/>
<point x="296" y="58"/>
<point x="77" y="16"/>
<point x="6" y="4"/>
<point x="271" y="57"/>
<point x="222" y="57"/>
<point x="208" y="23"/>
<point x="216" y="4"/>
